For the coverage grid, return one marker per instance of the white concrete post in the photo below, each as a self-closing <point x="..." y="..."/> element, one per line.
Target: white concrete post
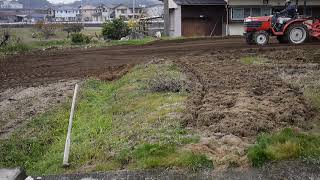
<point x="68" y="139"/>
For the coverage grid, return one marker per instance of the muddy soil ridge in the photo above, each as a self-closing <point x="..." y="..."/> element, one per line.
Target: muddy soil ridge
<point x="51" y="66"/>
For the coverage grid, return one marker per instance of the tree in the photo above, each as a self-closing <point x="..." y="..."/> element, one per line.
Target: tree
<point x="47" y="29"/>
<point x="115" y="29"/>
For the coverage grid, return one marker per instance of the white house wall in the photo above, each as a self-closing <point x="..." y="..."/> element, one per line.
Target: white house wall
<point x="172" y="4"/>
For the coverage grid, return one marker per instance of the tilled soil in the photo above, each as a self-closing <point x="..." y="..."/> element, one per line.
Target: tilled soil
<point x="240" y="99"/>
<point x="232" y="102"/>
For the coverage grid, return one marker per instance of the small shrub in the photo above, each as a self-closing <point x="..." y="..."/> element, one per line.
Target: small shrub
<point x="166" y="82"/>
<point x="123" y="157"/>
<point x="133" y="24"/>
<point x="79" y="38"/>
<point x="257" y="156"/>
<point x="115" y="29"/>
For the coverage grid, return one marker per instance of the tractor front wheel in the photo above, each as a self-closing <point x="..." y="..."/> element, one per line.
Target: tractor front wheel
<point x="261" y="38"/>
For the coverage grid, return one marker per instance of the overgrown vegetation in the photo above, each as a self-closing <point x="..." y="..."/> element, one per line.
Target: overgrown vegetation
<point x="285" y="145"/>
<point x="115" y="29"/>
<point x="118" y="125"/>
<point x="11" y="44"/>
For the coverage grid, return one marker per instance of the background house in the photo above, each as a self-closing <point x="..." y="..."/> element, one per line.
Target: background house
<point x="67" y="13"/>
<point x="197" y="17"/>
<point x="103" y="13"/>
<point x="240" y="9"/>
<point x="122" y="11"/>
<point x="87" y="12"/>
<point x="126" y="12"/>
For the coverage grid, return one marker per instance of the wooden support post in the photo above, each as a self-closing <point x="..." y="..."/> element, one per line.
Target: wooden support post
<point x="68" y="139"/>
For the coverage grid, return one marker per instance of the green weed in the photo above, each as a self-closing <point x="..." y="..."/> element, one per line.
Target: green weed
<point x="285" y="145"/>
<point x="250" y="60"/>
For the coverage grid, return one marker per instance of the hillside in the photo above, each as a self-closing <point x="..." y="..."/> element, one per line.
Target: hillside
<point x="38" y="4"/>
<point x="35" y="4"/>
<point x="126" y="2"/>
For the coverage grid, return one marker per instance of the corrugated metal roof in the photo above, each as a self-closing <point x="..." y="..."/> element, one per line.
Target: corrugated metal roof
<point x="200" y="2"/>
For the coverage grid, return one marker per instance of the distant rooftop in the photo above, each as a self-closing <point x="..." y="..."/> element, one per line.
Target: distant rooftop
<point x="200" y="2"/>
<point x="63" y="8"/>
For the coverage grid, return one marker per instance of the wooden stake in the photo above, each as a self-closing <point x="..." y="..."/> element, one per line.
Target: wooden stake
<point x="68" y="139"/>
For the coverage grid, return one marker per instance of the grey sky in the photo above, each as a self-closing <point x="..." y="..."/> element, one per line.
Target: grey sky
<point x="61" y="1"/>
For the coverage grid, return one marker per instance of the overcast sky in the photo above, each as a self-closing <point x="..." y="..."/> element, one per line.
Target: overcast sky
<point x="61" y="1"/>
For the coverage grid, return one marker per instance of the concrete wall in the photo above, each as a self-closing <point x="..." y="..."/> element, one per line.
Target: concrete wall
<point x="175" y="21"/>
<point x="236" y="29"/>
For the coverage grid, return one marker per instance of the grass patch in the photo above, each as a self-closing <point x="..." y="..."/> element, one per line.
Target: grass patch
<point x="148" y="156"/>
<point x="285" y="145"/>
<point x="132" y="41"/>
<point x="251" y="60"/>
<point x="49" y="43"/>
<point x="117" y="125"/>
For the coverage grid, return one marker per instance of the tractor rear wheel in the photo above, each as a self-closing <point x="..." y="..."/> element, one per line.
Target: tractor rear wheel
<point x="297" y="34"/>
<point x="261" y="38"/>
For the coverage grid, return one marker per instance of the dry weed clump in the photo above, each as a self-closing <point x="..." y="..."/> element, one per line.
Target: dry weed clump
<point x="167" y="82"/>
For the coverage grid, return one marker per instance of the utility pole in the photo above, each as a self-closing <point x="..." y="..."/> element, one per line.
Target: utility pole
<point x="305" y="8"/>
<point x="133" y="8"/>
<point x="166" y="18"/>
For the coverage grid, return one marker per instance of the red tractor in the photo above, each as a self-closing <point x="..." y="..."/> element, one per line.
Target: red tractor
<point x="295" y="31"/>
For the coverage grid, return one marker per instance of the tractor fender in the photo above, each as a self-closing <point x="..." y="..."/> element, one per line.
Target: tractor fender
<point x="287" y="25"/>
<point x="293" y="22"/>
